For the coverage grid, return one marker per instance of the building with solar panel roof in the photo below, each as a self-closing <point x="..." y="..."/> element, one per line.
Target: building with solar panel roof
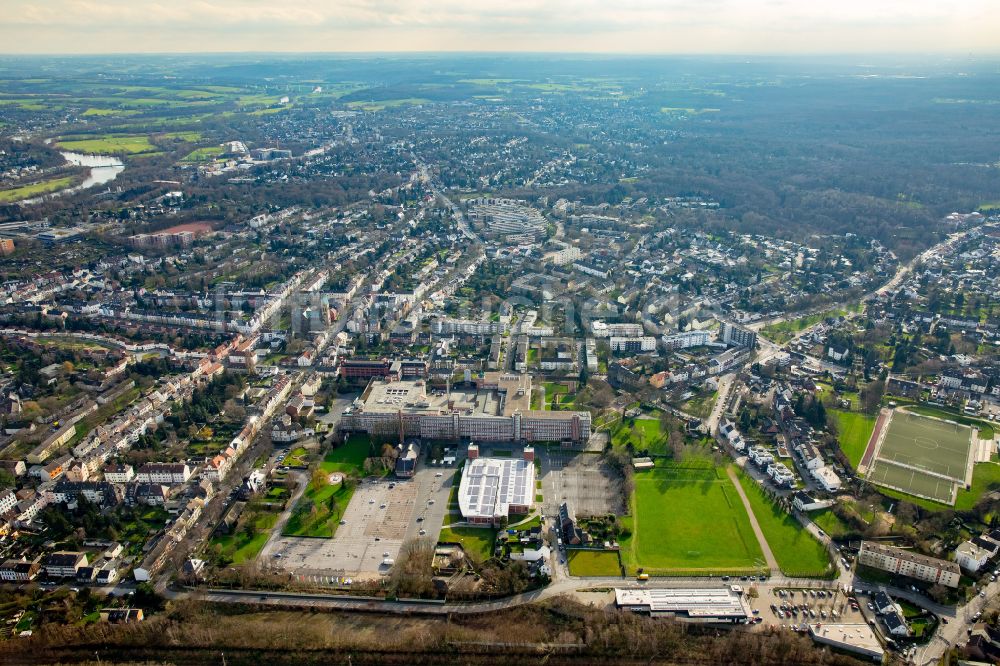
<point x="494" y="488"/>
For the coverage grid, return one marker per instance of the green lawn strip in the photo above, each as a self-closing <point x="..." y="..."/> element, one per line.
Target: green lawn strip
<point x="830" y="523"/>
<point x="534" y="520"/>
<point x="318" y="512"/>
<point x="242" y="546"/>
<point x="474" y="540"/>
<point x="349" y="457"/>
<point x="688" y="518"/>
<point x="35" y="189"/>
<point x="853" y="432"/>
<point x="110" y="145"/>
<point x="798" y="553"/>
<point x="593" y="563"/>
<point x="642" y="433"/>
<point x="206" y="154"/>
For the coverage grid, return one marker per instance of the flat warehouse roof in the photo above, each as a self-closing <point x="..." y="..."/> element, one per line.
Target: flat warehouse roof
<point x="702" y="602"/>
<point x="412" y="396"/>
<point x="856" y="637"/>
<point x="490" y="485"/>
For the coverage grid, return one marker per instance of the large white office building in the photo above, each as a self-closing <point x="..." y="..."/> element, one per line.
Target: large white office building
<point x="496" y="409"/>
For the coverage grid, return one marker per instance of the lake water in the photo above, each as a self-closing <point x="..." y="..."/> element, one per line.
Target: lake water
<point x="103" y="169"/>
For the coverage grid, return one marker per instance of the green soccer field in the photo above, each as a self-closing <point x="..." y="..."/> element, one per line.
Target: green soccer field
<point x="923" y="456"/>
<point x="689" y="518"/>
<point x="927" y="444"/>
<point x="912" y="482"/>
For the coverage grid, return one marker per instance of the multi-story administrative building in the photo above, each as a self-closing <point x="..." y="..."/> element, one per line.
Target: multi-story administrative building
<point x="469" y="326"/>
<point x="642" y="344"/>
<point x="735" y="336"/>
<point x="907" y="563"/>
<point x="496" y="409"/>
<point x="685" y="340"/>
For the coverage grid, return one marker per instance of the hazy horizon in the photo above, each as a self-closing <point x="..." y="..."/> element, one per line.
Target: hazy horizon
<point x="640" y="27"/>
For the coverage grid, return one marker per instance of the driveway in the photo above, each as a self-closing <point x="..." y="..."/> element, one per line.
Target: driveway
<point x="269" y="548"/>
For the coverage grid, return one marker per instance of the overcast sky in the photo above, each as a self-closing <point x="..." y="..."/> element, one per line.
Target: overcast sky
<point x="616" y="26"/>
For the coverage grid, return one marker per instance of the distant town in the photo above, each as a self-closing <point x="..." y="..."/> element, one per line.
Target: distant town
<point x="318" y="340"/>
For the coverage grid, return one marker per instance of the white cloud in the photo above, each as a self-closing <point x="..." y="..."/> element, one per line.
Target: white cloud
<point x="542" y="25"/>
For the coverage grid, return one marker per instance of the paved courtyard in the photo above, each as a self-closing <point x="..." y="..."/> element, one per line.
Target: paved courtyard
<point x="589" y="485"/>
<point x="375" y="523"/>
<point x="381" y="516"/>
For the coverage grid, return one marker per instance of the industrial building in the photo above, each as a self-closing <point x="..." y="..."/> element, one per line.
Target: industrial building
<point x="703" y="604"/>
<point x="493" y="488"/>
<point x="496" y="408"/>
<point x="510" y="218"/>
<point x="852" y="637"/>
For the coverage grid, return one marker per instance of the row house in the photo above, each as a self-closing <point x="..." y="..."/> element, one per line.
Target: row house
<point x="100" y="493"/>
<point x="119" y="473"/>
<point x="780" y="474"/>
<point x="148" y="494"/>
<point x="19" y="571"/>
<point x="165" y="473"/>
<point x="760" y="457"/>
<point x="907" y="563"/>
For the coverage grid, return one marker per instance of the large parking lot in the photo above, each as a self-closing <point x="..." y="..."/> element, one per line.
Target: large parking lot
<point x="381" y="516"/>
<point x="793" y="607"/>
<point x="583" y="480"/>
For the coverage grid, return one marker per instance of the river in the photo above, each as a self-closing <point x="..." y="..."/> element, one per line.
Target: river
<point x="103" y="169"/>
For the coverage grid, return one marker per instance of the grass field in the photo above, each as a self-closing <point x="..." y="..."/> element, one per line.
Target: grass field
<point x="797" y="552"/>
<point x="35" y="189"/>
<point x="687" y="517"/>
<point x="986" y="430"/>
<point x="784" y="331"/>
<point x="477" y="541"/>
<point x="349" y="457"/>
<point x="381" y="105"/>
<point x="929" y="444"/>
<point x="853" y="432"/>
<point x="985" y="478"/>
<point x="701" y="405"/>
<point x="923" y="456"/>
<point x="110" y="145"/>
<point x="241" y="546"/>
<point x="828" y="521"/>
<point x="318" y="512"/>
<point x="644" y="433"/>
<point x="206" y="154"/>
<point x="593" y="563"/>
<point x="297" y="457"/>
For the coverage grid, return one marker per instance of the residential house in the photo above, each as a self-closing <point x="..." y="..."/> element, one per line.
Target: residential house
<point x="64" y="564"/>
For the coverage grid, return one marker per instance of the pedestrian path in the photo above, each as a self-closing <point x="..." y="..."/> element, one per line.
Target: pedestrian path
<point x="765" y="548"/>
